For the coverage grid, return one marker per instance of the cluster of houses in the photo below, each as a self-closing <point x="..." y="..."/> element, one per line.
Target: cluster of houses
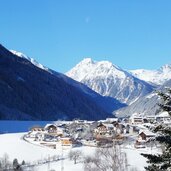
<point x="161" y="118"/>
<point x="96" y="133"/>
<point x="145" y="124"/>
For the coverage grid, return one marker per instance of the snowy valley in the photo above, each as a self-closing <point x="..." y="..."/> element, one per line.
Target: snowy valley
<point x="91" y="92"/>
<point x="49" y="147"/>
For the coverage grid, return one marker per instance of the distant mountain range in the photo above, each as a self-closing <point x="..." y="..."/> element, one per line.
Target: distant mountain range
<point x="157" y="77"/>
<point x="110" y="80"/>
<point x="137" y="88"/>
<point x="107" y="103"/>
<point x="91" y="90"/>
<point x="30" y="91"/>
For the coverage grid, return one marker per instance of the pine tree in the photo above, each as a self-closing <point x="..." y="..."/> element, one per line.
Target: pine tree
<point x="23" y="162"/>
<point x="162" y="162"/>
<point x="16" y="165"/>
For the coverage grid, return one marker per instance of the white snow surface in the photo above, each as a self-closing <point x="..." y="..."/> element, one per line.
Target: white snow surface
<point x="16" y="147"/>
<point x="151" y="95"/>
<point x="154" y="76"/>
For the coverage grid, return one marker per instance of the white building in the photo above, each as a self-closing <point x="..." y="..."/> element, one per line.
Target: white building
<point x="135" y="119"/>
<point x="110" y="120"/>
<point x="164" y="117"/>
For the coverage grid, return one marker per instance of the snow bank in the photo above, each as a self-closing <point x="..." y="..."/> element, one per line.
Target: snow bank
<point x="16" y="147"/>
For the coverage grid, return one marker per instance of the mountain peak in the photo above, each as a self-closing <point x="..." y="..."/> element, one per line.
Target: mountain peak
<point x="87" y="60"/>
<point x="98" y="64"/>
<point x="88" y="68"/>
<point x="157" y="77"/>
<point x="166" y="68"/>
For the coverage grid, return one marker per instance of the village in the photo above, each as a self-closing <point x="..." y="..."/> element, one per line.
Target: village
<point x="135" y="131"/>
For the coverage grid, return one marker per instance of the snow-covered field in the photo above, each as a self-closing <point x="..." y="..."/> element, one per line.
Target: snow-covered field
<point x="16" y="147"/>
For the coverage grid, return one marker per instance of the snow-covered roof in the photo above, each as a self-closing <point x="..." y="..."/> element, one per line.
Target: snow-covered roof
<point x="147" y="132"/>
<point x="135" y="115"/>
<point x="59" y="129"/>
<point x="65" y="138"/>
<point x="112" y="119"/>
<point x="47" y="125"/>
<point x="141" y="141"/>
<point x="102" y="121"/>
<point x="141" y="127"/>
<point x="150" y="116"/>
<point x="109" y="125"/>
<point x="164" y="114"/>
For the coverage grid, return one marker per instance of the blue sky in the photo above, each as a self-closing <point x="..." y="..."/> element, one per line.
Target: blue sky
<point x="60" y="33"/>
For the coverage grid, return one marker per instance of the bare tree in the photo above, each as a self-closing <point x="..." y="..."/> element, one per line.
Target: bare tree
<point x="134" y="169"/>
<point x="75" y="155"/>
<point x="0" y="165"/>
<point x="107" y="159"/>
<point x="23" y="162"/>
<point x="5" y="164"/>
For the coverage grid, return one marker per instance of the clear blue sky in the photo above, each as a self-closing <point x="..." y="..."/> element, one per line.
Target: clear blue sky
<point x="60" y="33"/>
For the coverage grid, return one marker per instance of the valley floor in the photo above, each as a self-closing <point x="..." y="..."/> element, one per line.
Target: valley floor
<point x="16" y="147"/>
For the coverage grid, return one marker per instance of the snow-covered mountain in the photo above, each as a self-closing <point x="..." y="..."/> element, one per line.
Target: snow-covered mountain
<point x="110" y="80"/>
<point x="34" y="91"/>
<point x="154" y="76"/>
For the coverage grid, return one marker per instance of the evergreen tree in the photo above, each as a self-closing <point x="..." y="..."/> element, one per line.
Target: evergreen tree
<point x="162" y="162"/>
<point x="23" y="162"/>
<point x="16" y="165"/>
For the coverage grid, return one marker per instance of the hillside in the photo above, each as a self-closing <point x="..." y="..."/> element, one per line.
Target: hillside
<point x="29" y="92"/>
<point x="147" y="105"/>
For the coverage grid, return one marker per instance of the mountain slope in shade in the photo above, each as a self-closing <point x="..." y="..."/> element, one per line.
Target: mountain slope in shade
<point x="157" y="77"/>
<point x="33" y="61"/>
<point x="147" y="105"/>
<point x="29" y="92"/>
<point x="110" y="80"/>
<point x="109" y="104"/>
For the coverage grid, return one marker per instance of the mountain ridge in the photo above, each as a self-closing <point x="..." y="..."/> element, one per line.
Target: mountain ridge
<point x="29" y="92"/>
<point x="108" y="103"/>
<point x="158" y="77"/>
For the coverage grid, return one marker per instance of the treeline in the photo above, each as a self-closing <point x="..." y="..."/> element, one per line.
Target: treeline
<point x="7" y="165"/>
<point x="15" y="165"/>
